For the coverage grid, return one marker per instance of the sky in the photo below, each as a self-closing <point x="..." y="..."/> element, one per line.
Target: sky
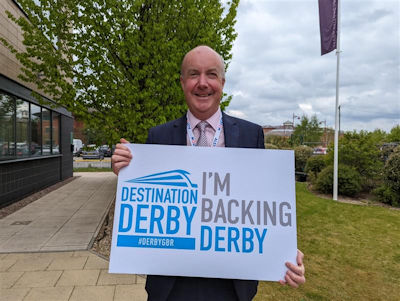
<point x="277" y="69"/>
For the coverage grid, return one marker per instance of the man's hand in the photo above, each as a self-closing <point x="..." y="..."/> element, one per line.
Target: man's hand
<point x="295" y="275"/>
<point x="121" y="157"/>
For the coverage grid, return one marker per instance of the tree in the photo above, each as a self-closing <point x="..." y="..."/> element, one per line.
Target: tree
<point x="279" y="141"/>
<point x="394" y="135"/>
<point x="115" y="64"/>
<point x="360" y="151"/>
<point x="307" y="132"/>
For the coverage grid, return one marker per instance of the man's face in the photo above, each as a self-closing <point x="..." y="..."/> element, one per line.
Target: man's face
<point x="202" y="81"/>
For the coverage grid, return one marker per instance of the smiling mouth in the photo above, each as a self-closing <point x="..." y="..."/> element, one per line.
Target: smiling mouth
<point x="203" y="95"/>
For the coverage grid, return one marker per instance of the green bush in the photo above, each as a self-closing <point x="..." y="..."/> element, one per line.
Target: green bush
<point x="389" y="192"/>
<point x="270" y="146"/>
<point x="314" y="165"/>
<point x="302" y="154"/>
<point x="361" y="152"/>
<point x="386" y="195"/>
<point x="391" y="174"/>
<point x="349" y="180"/>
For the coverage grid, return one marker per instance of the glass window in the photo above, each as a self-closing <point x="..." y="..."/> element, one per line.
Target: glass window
<point x="7" y="133"/>
<point x="22" y="128"/>
<point x="36" y="130"/>
<point x="56" y="133"/>
<point x="46" y="131"/>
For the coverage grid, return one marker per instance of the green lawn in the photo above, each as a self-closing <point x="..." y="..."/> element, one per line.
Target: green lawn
<point x="352" y="252"/>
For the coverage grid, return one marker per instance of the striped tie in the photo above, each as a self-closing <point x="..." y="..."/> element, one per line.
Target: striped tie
<point x="202" y="141"/>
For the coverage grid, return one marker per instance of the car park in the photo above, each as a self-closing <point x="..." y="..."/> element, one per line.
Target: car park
<point x="106" y="150"/>
<point x="92" y="152"/>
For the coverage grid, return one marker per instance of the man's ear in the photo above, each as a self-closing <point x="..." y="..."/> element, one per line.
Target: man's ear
<point x="182" y="82"/>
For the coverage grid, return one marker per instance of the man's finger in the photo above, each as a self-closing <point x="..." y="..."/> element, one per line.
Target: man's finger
<point x="117" y="166"/>
<point x="299" y="270"/>
<point x="117" y="158"/>
<point x="296" y="278"/>
<point x="120" y="146"/>
<point x="122" y="140"/>
<point x="123" y="153"/>
<point x="290" y="281"/>
<point x="299" y="257"/>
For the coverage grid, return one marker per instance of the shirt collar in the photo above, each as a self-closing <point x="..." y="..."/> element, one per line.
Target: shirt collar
<point x="213" y="120"/>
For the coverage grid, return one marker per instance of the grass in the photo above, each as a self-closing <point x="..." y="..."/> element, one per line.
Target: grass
<point x="352" y="252"/>
<point x="91" y="169"/>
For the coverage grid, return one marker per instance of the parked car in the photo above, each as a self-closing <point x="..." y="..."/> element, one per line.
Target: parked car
<point x="106" y="150"/>
<point x="92" y="152"/>
<point x="320" y="151"/>
<point x="78" y="145"/>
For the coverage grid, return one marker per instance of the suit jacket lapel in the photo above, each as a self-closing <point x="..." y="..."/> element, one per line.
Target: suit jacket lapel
<point x="179" y="131"/>
<point x="231" y="131"/>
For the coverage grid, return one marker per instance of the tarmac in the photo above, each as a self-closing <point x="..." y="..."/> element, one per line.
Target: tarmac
<point x="44" y="247"/>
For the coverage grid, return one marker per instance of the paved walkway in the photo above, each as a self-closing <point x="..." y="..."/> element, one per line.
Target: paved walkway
<point x="65" y="220"/>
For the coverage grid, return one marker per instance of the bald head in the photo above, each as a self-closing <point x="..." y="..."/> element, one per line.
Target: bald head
<point x="201" y="50"/>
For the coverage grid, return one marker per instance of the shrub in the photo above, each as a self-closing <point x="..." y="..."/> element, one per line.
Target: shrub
<point x="386" y="195"/>
<point x="361" y="152"/>
<point x="302" y="153"/>
<point x="391" y="174"/>
<point x="270" y="146"/>
<point x="389" y="192"/>
<point x="314" y="165"/>
<point x="349" y="180"/>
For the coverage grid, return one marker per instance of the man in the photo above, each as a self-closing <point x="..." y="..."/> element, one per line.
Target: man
<point x="202" y="80"/>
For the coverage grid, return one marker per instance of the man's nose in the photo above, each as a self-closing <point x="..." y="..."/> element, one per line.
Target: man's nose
<point x="203" y="83"/>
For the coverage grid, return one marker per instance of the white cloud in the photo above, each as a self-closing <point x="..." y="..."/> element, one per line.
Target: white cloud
<point x="277" y="69"/>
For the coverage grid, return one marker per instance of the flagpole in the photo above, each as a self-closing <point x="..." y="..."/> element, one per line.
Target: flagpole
<point x="336" y="143"/>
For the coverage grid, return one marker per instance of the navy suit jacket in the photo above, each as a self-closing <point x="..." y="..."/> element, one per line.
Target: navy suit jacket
<point x="237" y="133"/>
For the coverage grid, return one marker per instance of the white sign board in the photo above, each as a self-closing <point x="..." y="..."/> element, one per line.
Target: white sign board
<point x="205" y="212"/>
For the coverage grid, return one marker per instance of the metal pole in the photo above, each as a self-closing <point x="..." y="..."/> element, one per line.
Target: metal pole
<point x="336" y="148"/>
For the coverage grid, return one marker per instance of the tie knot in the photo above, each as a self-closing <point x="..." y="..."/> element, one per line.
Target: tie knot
<point x="202" y="125"/>
<point x="202" y="140"/>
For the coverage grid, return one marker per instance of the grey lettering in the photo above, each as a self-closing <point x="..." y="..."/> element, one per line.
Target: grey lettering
<point x="206" y="206"/>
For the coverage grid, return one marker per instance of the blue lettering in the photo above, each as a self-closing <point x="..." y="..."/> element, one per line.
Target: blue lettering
<point x="233" y="239"/>
<point x="124" y="194"/>
<point x="140" y="218"/>
<point x="219" y="238"/>
<point x="167" y="196"/>
<point x="156" y="219"/>
<point x="189" y="218"/>
<point x="261" y="239"/>
<point x="140" y="193"/>
<point x="185" y="196"/>
<point x="159" y="195"/>
<point x="121" y="227"/>
<point x="193" y="196"/>
<point x="173" y="195"/>
<point x="203" y="246"/>
<point x="172" y="219"/>
<point x="133" y="193"/>
<point x="247" y="239"/>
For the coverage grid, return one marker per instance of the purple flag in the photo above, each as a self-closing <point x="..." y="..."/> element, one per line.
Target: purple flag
<point x="328" y="24"/>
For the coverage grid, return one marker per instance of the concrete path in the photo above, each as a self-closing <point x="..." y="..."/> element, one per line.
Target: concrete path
<point x="65" y="220"/>
<point x="65" y="276"/>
